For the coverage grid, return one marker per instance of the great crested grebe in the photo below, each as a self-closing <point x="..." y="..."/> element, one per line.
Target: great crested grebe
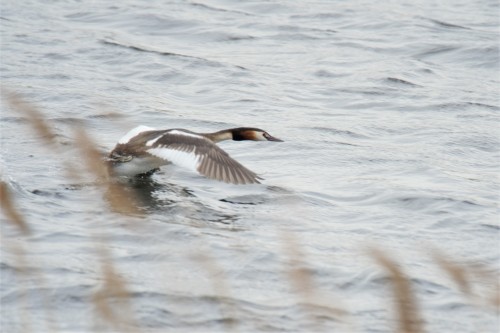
<point x="144" y="149"/>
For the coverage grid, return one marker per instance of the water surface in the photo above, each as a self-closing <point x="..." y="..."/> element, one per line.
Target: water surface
<point x="389" y="113"/>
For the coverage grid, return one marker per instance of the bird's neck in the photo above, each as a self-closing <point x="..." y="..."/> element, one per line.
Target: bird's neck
<point x="219" y="136"/>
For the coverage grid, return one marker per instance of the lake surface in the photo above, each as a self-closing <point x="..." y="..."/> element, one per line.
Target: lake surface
<point x="390" y="116"/>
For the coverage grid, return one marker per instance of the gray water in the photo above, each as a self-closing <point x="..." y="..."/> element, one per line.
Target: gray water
<point x="389" y="112"/>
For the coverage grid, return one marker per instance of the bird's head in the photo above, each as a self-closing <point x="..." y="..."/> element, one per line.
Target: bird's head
<point x="254" y="134"/>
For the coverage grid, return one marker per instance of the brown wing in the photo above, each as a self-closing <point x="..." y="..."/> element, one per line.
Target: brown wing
<point x="200" y="154"/>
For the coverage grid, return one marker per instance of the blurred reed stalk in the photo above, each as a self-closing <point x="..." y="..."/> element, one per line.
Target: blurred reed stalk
<point x="14" y="217"/>
<point x="114" y="287"/>
<point x="112" y="302"/>
<point x="12" y="214"/>
<point x="463" y="275"/>
<point x="17" y="220"/>
<point x="22" y="269"/>
<point x="406" y="306"/>
<point x="302" y="284"/>
<point x="38" y="123"/>
<point x="119" y="200"/>
<point x="117" y="197"/>
<point x="220" y="287"/>
<point x="35" y="117"/>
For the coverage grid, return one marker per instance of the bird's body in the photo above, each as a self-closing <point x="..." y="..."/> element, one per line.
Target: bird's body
<point x="144" y="149"/>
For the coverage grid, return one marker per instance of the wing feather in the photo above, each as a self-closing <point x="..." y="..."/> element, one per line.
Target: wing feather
<point x="197" y="153"/>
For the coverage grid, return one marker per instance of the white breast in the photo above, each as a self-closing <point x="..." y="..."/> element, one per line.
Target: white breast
<point x="138" y="165"/>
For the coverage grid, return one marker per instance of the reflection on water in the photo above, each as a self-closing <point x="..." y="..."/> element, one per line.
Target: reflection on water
<point x="168" y="199"/>
<point x="153" y="196"/>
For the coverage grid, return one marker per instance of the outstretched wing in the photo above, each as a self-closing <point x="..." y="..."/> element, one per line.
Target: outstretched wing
<point x="197" y="153"/>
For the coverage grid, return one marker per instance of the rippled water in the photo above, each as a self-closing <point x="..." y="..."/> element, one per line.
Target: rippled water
<point x="389" y="112"/>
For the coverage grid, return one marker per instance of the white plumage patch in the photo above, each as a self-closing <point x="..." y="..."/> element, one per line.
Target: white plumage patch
<point x="152" y="141"/>
<point x="177" y="157"/>
<point x="133" y="132"/>
<point x="176" y="132"/>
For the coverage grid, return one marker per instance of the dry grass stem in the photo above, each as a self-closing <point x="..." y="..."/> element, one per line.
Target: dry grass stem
<point x="303" y="285"/>
<point x="491" y="278"/>
<point x="457" y="273"/>
<point x="13" y="216"/>
<point x="463" y="274"/>
<point x="220" y="287"/>
<point x="34" y="116"/>
<point x="91" y="156"/>
<point x="114" y="289"/>
<point x="39" y="124"/>
<point x="409" y="320"/>
<point x="19" y="270"/>
<point x="22" y="268"/>
<point x="118" y="198"/>
<point x="300" y="276"/>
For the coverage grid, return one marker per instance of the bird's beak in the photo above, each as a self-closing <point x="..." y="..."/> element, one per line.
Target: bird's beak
<point x="272" y="138"/>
